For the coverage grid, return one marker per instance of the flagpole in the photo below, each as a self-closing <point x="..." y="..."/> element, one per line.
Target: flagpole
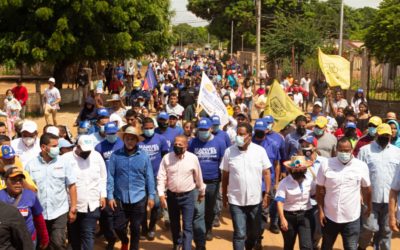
<point x="341" y="28"/>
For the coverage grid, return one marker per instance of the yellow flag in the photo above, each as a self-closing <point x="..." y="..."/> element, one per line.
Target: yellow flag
<point x="335" y="68"/>
<point x="281" y="107"/>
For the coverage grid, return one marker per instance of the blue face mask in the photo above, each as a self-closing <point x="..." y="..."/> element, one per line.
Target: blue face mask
<point x="216" y="128"/>
<point x="318" y="131"/>
<point x="204" y="135"/>
<point x="54" y="152"/>
<point x="148" y="132"/>
<point x="239" y="141"/>
<point x="111" y="138"/>
<point x="269" y="127"/>
<point x="371" y="131"/>
<point x="101" y="129"/>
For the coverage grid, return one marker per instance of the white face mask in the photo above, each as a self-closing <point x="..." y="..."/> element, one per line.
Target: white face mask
<point x="28" y="141"/>
<point x="344" y="157"/>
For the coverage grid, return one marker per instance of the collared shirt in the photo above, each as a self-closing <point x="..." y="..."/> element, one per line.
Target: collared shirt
<point x="294" y="195"/>
<point x="343" y="184"/>
<point x="91" y="180"/>
<point x="364" y="140"/>
<point x="382" y="165"/>
<point x="245" y="173"/>
<point x="52" y="179"/>
<point x="396" y="186"/>
<point x="180" y="175"/>
<point x="312" y="172"/>
<point x="130" y="177"/>
<point x="25" y="153"/>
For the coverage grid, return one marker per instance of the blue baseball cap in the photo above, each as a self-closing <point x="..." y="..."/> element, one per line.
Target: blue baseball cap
<point x="7" y="152"/>
<point x="268" y="119"/>
<point x="110" y="128"/>
<point x="163" y="115"/>
<point x="84" y="124"/>
<point x="204" y="123"/>
<point x="360" y="90"/>
<point x="102" y="112"/>
<point x="309" y="139"/>
<point x="260" y="124"/>
<point x="351" y="125"/>
<point x="215" y="120"/>
<point x="62" y="143"/>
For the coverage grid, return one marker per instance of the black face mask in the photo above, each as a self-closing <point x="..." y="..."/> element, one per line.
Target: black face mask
<point x="307" y="152"/>
<point x="163" y="124"/>
<point x="298" y="175"/>
<point x="383" y="141"/>
<point x="178" y="150"/>
<point x="84" y="154"/>
<point x="259" y="134"/>
<point x="301" y="130"/>
<point x="350" y="133"/>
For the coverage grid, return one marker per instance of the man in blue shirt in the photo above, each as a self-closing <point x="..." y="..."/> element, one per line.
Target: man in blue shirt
<point x="260" y="128"/>
<point x="156" y="147"/>
<point x="217" y="132"/>
<point x="209" y="150"/>
<point x="292" y="145"/>
<point x="106" y="148"/>
<point x="130" y="182"/>
<point x="103" y="116"/>
<point x="166" y="130"/>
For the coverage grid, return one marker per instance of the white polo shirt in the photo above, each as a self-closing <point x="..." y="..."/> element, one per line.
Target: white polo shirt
<point x="245" y="173"/>
<point x="342" y="203"/>
<point x="91" y="179"/>
<point x="25" y="154"/>
<point x="294" y="195"/>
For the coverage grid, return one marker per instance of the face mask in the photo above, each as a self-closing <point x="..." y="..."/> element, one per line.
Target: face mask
<point x="216" y="128"/>
<point x="28" y="141"/>
<point x="344" y="157"/>
<point x="371" y="131"/>
<point x="262" y="86"/>
<point x="239" y="141"/>
<point x="301" y="131"/>
<point x="84" y="154"/>
<point x="204" y="135"/>
<point x="163" y="124"/>
<point x="318" y="131"/>
<point x="111" y="138"/>
<point x="101" y="129"/>
<point x="148" y="132"/>
<point x="54" y="152"/>
<point x="307" y="152"/>
<point x="178" y="150"/>
<point x="298" y="175"/>
<point x="351" y="133"/>
<point x="259" y="134"/>
<point x="226" y="101"/>
<point x="383" y="141"/>
<point x="141" y="104"/>
<point x="269" y="127"/>
<point x="137" y="88"/>
<point x="9" y="98"/>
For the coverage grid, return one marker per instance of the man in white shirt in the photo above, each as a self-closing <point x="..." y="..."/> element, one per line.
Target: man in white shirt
<point x="244" y="165"/>
<point x="88" y="165"/>
<point x="174" y="106"/>
<point x="340" y="183"/>
<point x="27" y="147"/>
<point x="51" y="99"/>
<point x="305" y="84"/>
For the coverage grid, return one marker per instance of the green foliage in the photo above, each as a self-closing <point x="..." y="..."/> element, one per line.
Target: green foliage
<point x="383" y="37"/>
<point x="189" y="34"/>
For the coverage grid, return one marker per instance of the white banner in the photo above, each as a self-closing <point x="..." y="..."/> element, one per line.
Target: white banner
<point x="210" y="101"/>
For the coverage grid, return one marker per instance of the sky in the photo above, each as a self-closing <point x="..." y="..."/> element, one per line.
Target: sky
<point x="182" y="15"/>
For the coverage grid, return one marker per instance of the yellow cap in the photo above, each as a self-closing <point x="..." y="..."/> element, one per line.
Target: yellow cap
<point x="137" y="83"/>
<point x="376" y="120"/>
<point x="384" y="129"/>
<point x="321" y="121"/>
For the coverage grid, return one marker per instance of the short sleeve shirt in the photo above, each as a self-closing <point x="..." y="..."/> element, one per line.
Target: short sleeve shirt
<point x="51" y="96"/>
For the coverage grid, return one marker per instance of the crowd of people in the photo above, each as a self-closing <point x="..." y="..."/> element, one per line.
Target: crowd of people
<point x="145" y="155"/>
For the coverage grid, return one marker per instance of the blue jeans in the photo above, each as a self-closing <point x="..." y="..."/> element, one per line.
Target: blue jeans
<point x="154" y="214"/>
<point x="298" y="224"/>
<point x="350" y="232"/>
<point x="199" y="225"/>
<point x="376" y="227"/>
<point x="81" y="232"/>
<point x="129" y="213"/>
<point x="106" y="223"/>
<point x="212" y="191"/>
<point x="181" y="204"/>
<point x="246" y="225"/>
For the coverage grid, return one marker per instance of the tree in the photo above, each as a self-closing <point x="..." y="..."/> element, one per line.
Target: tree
<point x="383" y="37"/>
<point x="64" y="32"/>
<point x="190" y="34"/>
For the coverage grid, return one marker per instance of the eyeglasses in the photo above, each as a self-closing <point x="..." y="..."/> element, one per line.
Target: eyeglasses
<point x="15" y="180"/>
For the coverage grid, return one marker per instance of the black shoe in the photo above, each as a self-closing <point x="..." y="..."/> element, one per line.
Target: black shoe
<point x="151" y="235"/>
<point x="200" y="248"/>
<point x="274" y="229"/>
<point x="209" y="236"/>
<point x="110" y="245"/>
<point x="258" y="246"/>
<point x="216" y="222"/>
<point x="143" y="236"/>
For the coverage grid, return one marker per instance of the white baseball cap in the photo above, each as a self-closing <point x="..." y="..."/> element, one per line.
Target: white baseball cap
<point x="53" y="130"/>
<point x="51" y="79"/>
<point x="29" y="126"/>
<point x="86" y="142"/>
<point x="318" y="103"/>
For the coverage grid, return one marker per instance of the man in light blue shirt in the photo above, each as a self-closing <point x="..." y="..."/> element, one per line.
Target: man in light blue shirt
<point x="292" y="145"/>
<point x="383" y="160"/>
<point x="130" y="183"/>
<point x="53" y="178"/>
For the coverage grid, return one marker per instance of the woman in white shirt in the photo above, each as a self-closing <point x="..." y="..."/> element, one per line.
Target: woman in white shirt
<point x="12" y="107"/>
<point x="293" y="199"/>
<point x="357" y="99"/>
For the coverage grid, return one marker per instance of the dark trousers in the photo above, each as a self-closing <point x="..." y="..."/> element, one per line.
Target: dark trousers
<point x="212" y="190"/>
<point x="106" y="223"/>
<point x="56" y="229"/>
<point x="199" y="225"/>
<point x="154" y="215"/>
<point x="129" y="213"/>
<point x="182" y="204"/>
<point x="81" y="232"/>
<point x="298" y="224"/>
<point x="350" y="233"/>
<point x="246" y="225"/>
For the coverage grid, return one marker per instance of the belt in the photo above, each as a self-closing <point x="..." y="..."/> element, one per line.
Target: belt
<point x="298" y="212"/>
<point x="211" y="181"/>
<point x="178" y="194"/>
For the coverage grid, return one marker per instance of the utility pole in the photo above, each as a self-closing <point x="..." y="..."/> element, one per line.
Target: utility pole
<point x="232" y="39"/>
<point x="181" y="42"/>
<point x="242" y="41"/>
<point x="258" y="34"/>
<point x="341" y="28"/>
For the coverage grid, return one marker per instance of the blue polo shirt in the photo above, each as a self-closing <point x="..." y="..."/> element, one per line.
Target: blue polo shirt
<point x="130" y="177"/>
<point x="29" y="206"/>
<point x="106" y="149"/>
<point x="278" y="139"/>
<point x="155" y="147"/>
<point x="210" y="154"/>
<point x="170" y="134"/>
<point x="273" y="155"/>
<point x="223" y="136"/>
